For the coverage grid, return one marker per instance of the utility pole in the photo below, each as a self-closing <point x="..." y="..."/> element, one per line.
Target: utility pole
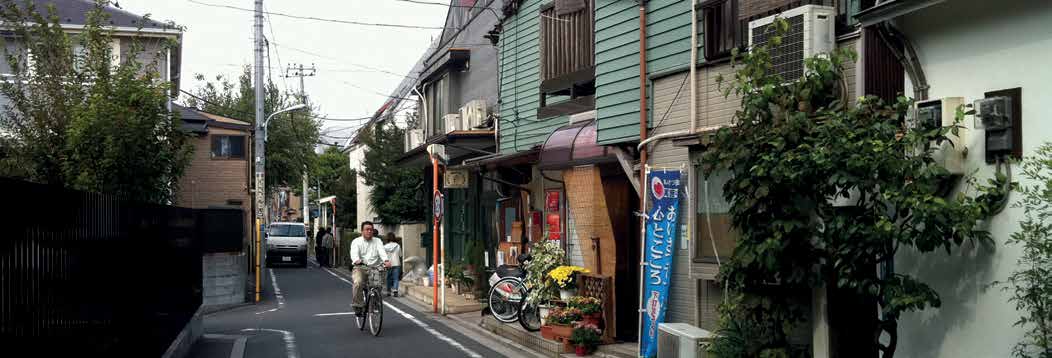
<point x="259" y="133"/>
<point x="303" y="72"/>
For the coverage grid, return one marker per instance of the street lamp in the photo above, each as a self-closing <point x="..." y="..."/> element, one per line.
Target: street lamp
<point x="267" y="122"/>
<point x="261" y="157"/>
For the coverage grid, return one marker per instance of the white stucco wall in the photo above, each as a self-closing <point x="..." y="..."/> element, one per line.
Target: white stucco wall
<point x="968" y="47"/>
<point x="365" y="210"/>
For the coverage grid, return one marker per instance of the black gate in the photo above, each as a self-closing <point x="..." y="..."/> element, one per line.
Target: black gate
<point x="92" y="275"/>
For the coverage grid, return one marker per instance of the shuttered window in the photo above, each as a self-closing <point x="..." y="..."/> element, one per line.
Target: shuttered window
<point x="723" y="29"/>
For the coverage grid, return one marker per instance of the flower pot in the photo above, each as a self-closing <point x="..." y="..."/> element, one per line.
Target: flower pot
<point x="546" y="333"/>
<point x="561" y="331"/>
<point x="544" y="310"/>
<point x="593" y="318"/>
<point x="581" y="350"/>
<point x="565" y="294"/>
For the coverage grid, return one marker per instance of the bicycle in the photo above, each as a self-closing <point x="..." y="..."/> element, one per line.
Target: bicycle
<point x="508" y="297"/>
<point x="373" y="307"/>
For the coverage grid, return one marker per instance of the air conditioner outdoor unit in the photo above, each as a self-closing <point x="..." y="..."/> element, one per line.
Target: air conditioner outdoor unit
<point x="413" y="138"/>
<point x="474" y="114"/>
<point x="453" y="123"/>
<point x="812" y="31"/>
<point x="942" y="112"/>
<point x="681" y="340"/>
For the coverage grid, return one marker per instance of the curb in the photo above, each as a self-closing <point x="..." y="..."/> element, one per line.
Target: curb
<point x="184" y="342"/>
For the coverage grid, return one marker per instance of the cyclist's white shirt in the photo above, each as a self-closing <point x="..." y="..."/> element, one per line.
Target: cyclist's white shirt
<point x="370" y="252"/>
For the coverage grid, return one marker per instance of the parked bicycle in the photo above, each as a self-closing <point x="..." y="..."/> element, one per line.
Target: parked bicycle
<point x="371" y="313"/>
<point x="508" y="297"/>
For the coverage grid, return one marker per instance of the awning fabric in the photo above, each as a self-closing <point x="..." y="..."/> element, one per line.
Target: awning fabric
<point x="573" y="145"/>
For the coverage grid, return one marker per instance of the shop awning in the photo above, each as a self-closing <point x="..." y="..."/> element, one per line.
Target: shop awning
<point x="574" y="145"/>
<point x="502" y="160"/>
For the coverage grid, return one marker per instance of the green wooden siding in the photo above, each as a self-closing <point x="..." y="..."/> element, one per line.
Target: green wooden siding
<point x="520" y="82"/>
<point x="617" y="58"/>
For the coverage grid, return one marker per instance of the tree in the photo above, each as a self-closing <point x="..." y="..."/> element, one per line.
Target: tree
<point x="293" y="135"/>
<point x="77" y="119"/>
<point x="1029" y="284"/>
<point x="394" y="189"/>
<point x="334" y="176"/>
<point x="823" y="194"/>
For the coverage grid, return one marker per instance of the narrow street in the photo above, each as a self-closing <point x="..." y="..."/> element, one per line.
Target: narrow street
<point x="307" y="315"/>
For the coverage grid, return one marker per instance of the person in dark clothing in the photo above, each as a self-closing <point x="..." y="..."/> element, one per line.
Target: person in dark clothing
<point x="319" y="249"/>
<point x="327" y="243"/>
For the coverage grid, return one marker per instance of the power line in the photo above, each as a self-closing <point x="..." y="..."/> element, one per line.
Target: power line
<point x="251" y="115"/>
<point x="284" y="83"/>
<point x="344" y="61"/>
<point x="348" y="22"/>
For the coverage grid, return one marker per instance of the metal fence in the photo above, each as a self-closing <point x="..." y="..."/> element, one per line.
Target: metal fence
<point x="223" y="230"/>
<point x="93" y="275"/>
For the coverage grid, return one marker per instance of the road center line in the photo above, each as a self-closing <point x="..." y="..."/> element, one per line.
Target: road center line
<point x="288" y="337"/>
<point x="425" y="326"/>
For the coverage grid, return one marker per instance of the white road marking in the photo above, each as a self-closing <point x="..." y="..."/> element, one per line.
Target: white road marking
<point x="334" y="314"/>
<point x="288" y="337"/>
<point x="277" y="293"/>
<point x="434" y="332"/>
<point x="338" y="276"/>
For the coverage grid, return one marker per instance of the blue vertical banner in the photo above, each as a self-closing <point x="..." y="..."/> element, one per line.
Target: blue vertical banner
<point x="658" y="249"/>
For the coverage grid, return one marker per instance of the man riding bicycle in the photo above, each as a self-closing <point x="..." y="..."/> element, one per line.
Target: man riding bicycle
<point x="366" y="251"/>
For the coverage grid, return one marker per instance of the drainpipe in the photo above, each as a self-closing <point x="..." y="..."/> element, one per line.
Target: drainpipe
<point x="693" y="67"/>
<point x="642" y="154"/>
<point x="642" y="88"/>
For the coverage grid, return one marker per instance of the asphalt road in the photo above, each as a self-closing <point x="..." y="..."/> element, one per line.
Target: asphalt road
<point x="287" y="324"/>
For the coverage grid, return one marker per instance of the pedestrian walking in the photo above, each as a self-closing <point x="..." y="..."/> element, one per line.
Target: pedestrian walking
<point x="394" y="253"/>
<point x="327" y="242"/>
<point x="319" y="249"/>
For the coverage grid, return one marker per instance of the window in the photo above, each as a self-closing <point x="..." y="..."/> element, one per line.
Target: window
<point x="723" y="29"/>
<point x="228" y="147"/>
<point x="287" y="230"/>
<point x="437" y="101"/>
<point x="567" y="53"/>
<point x="716" y="236"/>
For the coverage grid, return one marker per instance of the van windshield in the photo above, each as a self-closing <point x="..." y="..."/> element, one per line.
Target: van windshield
<point x="286" y="230"/>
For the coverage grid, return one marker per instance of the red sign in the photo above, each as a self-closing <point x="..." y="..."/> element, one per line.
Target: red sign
<point x="554" y="214"/>
<point x="551" y="201"/>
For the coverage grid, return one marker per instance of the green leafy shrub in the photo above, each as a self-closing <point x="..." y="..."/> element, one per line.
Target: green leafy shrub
<point x="824" y="192"/>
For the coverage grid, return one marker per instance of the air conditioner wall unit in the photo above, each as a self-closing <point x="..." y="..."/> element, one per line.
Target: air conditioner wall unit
<point x="413" y="138"/>
<point x="812" y="31"/>
<point x="681" y="340"/>
<point x="474" y="114"/>
<point x="453" y="123"/>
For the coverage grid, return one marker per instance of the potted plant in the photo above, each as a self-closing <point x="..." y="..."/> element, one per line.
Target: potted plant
<point x="546" y="256"/>
<point x="565" y="277"/>
<point x="459" y="278"/>
<point x="560" y="321"/>
<point x="591" y="308"/>
<point x="584" y="337"/>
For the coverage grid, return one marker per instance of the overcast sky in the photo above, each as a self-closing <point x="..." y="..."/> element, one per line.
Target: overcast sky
<point x="219" y="41"/>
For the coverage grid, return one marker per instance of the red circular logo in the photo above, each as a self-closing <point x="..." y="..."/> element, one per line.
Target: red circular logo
<point x="657" y="187"/>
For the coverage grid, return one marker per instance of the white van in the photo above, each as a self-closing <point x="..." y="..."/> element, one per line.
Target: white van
<point x="287" y="243"/>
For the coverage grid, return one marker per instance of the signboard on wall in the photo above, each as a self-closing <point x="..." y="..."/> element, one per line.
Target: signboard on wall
<point x="662" y="223"/>
<point x="455" y="179"/>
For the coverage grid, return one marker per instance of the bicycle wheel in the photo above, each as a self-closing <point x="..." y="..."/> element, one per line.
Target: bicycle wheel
<point x="359" y="316"/>
<point x="504" y="299"/>
<point x="529" y="316"/>
<point x="376" y="312"/>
